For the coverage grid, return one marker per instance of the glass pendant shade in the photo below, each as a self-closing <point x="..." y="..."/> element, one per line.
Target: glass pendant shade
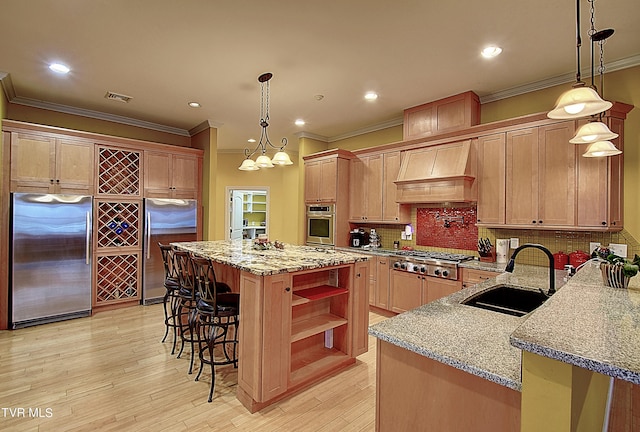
<point x="601" y="149"/>
<point x="579" y="102"/>
<point x="248" y="165"/>
<point x="263" y="161"/>
<point x="281" y="158"/>
<point x="592" y="132"/>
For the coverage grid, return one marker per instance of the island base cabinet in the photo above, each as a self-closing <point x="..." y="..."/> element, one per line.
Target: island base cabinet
<point x="416" y="393"/>
<point x="298" y="328"/>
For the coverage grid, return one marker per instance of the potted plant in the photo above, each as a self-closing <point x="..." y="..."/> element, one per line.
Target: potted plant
<point x="616" y="270"/>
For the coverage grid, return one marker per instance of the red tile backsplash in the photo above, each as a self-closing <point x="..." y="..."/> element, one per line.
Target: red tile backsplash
<point x="431" y="228"/>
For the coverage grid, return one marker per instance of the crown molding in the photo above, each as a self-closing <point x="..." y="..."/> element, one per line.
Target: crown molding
<point x="558" y="80"/>
<point x="207" y="124"/>
<point x="373" y="128"/>
<point x="316" y="137"/>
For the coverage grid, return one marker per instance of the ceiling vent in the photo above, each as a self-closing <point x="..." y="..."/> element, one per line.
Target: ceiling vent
<point x="117" y="97"/>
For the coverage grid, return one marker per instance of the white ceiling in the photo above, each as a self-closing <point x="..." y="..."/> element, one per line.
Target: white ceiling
<point x="165" y="53"/>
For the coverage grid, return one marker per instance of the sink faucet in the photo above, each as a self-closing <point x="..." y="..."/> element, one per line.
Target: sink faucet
<point x="552" y="276"/>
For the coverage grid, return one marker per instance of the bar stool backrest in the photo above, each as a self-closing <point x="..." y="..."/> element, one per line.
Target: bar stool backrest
<point x="184" y="266"/>
<point x="205" y="281"/>
<point x="170" y="269"/>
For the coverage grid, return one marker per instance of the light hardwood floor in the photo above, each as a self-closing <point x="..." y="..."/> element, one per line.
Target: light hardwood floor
<point x="111" y="372"/>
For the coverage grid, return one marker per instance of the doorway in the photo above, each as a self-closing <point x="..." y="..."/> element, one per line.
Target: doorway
<point x="247" y="214"/>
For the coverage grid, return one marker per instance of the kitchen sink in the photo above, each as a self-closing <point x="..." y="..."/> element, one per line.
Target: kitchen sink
<point x="507" y="299"/>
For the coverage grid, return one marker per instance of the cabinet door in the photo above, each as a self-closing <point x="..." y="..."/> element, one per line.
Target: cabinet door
<point x="312" y="179"/>
<point x="360" y="309"/>
<point x="471" y="277"/>
<point x="184" y="175"/>
<point x="491" y="179"/>
<point x="391" y="210"/>
<point x="157" y="179"/>
<point x="357" y="197"/>
<point x="373" y="187"/>
<point x="74" y="166"/>
<point x="382" y="283"/>
<point x="521" y="205"/>
<point x="328" y="180"/>
<point x="438" y="288"/>
<point x="556" y="175"/>
<point x="32" y="162"/>
<point x="406" y="291"/>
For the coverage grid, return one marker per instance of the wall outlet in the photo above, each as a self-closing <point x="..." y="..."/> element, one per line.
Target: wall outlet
<point x="403" y="236"/>
<point x="593" y="246"/>
<point x="514" y="243"/>
<point x="618" y="249"/>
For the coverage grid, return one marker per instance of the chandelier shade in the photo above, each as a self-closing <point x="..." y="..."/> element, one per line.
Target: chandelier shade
<point x="592" y="132"/>
<point x="579" y="102"/>
<point x="601" y="149"/>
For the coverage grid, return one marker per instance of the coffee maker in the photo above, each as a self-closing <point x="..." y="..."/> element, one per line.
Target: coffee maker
<point x="358" y="238"/>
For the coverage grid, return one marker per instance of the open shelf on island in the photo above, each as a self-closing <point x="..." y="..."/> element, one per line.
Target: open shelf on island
<point x="311" y="362"/>
<point x="297" y="300"/>
<point x="319" y="292"/>
<point x="315" y="324"/>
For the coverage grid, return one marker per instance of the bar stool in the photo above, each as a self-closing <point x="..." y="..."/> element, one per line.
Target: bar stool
<point x="217" y="314"/>
<point x="171" y="298"/>
<point x="186" y="310"/>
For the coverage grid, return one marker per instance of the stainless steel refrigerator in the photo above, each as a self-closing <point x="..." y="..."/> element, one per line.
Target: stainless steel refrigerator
<point x="50" y="258"/>
<point x="166" y="221"/>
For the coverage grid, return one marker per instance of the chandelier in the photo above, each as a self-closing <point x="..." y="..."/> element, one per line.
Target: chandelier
<point x="264" y="161"/>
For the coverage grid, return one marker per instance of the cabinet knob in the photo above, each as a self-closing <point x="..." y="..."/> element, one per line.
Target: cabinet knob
<point x="51" y="181"/>
<point x="533" y="221"/>
<point x="478" y="220"/>
<point x="287" y="289"/>
<point x="57" y="180"/>
<point x="539" y="221"/>
<point x="603" y="223"/>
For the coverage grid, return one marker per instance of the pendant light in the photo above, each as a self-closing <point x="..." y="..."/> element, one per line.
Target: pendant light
<point x="595" y="130"/>
<point x="601" y="149"/>
<point x="580" y="101"/>
<point x="264" y="161"/>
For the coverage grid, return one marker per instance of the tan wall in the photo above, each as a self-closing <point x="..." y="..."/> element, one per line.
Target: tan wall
<point x="69" y="121"/>
<point x="283" y="194"/>
<point x="383" y="136"/>
<point x="207" y="140"/>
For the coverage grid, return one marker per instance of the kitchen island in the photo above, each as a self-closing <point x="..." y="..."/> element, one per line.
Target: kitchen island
<point x="452" y="365"/>
<point x="303" y="314"/>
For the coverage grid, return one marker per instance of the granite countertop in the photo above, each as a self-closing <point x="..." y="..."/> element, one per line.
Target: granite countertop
<point x="585" y="324"/>
<point x="588" y="325"/>
<point x="468" y="338"/>
<point x="241" y="255"/>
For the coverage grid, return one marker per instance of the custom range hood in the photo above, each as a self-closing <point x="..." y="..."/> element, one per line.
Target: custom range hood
<point x="438" y="174"/>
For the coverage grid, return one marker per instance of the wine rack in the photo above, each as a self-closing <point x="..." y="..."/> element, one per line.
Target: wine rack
<point x="118" y="172"/>
<point x="117" y="278"/>
<point x="118" y="224"/>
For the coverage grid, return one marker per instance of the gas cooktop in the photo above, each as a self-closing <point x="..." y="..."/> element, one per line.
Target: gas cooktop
<point x="441" y="256"/>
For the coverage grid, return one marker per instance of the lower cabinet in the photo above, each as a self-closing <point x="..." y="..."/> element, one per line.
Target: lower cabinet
<point x="411" y="290"/>
<point x="379" y="282"/>
<point x="471" y="277"/>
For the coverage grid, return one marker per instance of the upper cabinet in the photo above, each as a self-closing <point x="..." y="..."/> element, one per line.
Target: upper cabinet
<point x="540" y="165"/>
<point x="325" y="175"/>
<point x="442" y="116"/>
<point x="373" y="192"/>
<point x="491" y="179"/>
<point x="46" y="163"/>
<point x="171" y="175"/>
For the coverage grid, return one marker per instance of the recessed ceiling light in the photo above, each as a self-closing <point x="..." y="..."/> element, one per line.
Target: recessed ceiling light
<point x="491" y="51"/>
<point x="59" y="68"/>
<point x="299" y="122"/>
<point x="252" y="140"/>
<point x="194" y="104"/>
<point x="371" y="96"/>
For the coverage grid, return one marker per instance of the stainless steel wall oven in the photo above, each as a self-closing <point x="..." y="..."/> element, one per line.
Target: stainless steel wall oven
<point x="320" y="224"/>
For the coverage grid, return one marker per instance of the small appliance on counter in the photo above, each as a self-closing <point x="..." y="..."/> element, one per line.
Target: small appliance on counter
<point x="502" y="250"/>
<point x="356" y="238"/>
<point x="374" y="239"/>
<point x="560" y="259"/>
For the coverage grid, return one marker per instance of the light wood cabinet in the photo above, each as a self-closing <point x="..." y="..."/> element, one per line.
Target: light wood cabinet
<point x="321" y="180"/>
<point x="171" y="175"/>
<point x="411" y="290"/>
<point x="372" y="195"/>
<point x="379" y="286"/>
<point x="540" y="176"/>
<point x="366" y="188"/>
<point x="46" y="163"/>
<point x="299" y="327"/>
<point x="444" y="115"/>
<point x="491" y="179"/>
<point x="471" y="277"/>
<point x="599" y="185"/>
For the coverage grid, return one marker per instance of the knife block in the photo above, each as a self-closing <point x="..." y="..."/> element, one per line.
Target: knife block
<point x="491" y="257"/>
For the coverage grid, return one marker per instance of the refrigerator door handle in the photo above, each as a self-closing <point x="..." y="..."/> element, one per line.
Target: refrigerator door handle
<point x="148" y="235"/>
<point x="87" y="235"/>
